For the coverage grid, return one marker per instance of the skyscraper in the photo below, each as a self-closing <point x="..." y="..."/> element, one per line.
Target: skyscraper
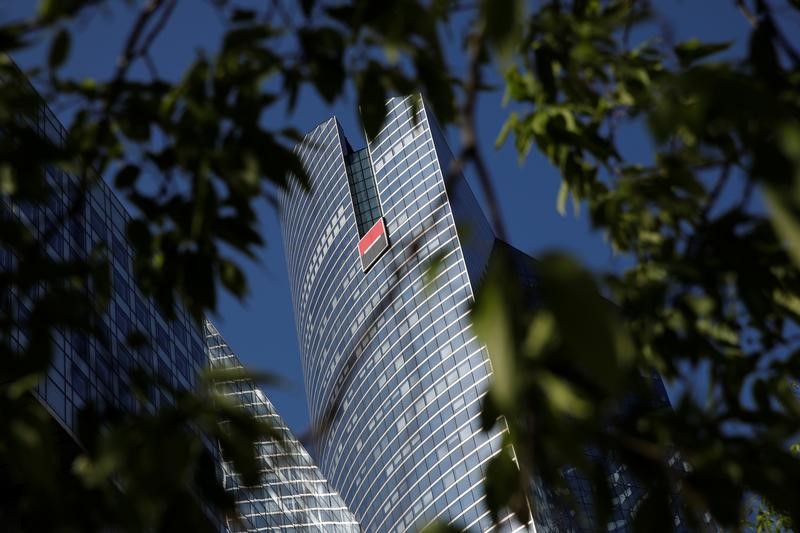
<point x="292" y="494"/>
<point x="394" y="374"/>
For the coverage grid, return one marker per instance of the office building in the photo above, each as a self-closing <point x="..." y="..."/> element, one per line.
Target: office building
<point x="85" y="369"/>
<point x="394" y="373"/>
<point x="292" y="495"/>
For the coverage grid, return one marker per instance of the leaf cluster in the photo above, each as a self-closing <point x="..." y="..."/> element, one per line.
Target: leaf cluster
<point x="709" y="222"/>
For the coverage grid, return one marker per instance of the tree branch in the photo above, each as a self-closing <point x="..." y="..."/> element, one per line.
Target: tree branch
<point x="469" y="145"/>
<point x="158" y="27"/>
<point x="765" y="17"/>
<point x="722" y="180"/>
<point x="151" y="65"/>
<point x="748" y="15"/>
<point x="130" y="49"/>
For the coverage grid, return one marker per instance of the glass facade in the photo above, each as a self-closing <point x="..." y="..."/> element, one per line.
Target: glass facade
<point x="97" y="369"/>
<point x="85" y="369"/>
<point x="394" y="374"/>
<point x="292" y="494"/>
<point x="362" y="189"/>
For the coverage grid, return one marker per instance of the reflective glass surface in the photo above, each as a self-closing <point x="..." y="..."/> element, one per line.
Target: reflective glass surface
<point x="394" y="374"/>
<point x="84" y="368"/>
<point x="362" y="189"/>
<point x="293" y="494"/>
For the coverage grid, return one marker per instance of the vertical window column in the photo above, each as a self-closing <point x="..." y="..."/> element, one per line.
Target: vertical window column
<point x="363" y="190"/>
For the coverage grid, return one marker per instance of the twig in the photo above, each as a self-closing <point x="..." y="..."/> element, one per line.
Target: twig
<point x="748" y="15"/>
<point x="158" y="27"/>
<point x="281" y="11"/>
<point x="629" y="20"/>
<point x="747" y="193"/>
<point x="470" y="150"/>
<point x="129" y="51"/>
<point x="722" y="180"/>
<point x="765" y="17"/>
<point x="151" y="65"/>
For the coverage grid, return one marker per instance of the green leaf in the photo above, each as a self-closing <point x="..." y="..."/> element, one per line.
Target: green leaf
<point x="222" y="374"/>
<point x="442" y="527"/>
<point x="789" y="140"/>
<point x="561" y="202"/>
<point x="785" y="222"/>
<point x="324" y="50"/>
<point x="492" y="323"/>
<point x="501" y="482"/>
<point x="307" y="6"/>
<point x="232" y="278"/>
<point x="127" y="176"/>
<point x="764" y="54"/>
<point x="694" y="50"/>
<point x="48" y="9"/>
<point x="593" y="336"/>
<point x="59" y="49"/>
<point x="434" y="267"/>
<point x="542" y="333"/>
<point x="372" y="100"/>
<point x="13" y="37"/>
<point x="563" y="397"/>
<point x="544" y="71"/>
<point x="508" y="126"/>
<point x="503" y="23"/>
<point x="243" y="15"/>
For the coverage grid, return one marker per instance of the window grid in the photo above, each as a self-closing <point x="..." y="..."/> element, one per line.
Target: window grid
<point x="363" y="190"/>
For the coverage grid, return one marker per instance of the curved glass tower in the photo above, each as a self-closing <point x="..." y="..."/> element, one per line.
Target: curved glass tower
<point x="394" y="374"/>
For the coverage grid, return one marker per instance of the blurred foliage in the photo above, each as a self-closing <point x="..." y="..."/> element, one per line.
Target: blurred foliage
<point x="133" y="471"/>
<point x="768" y="519"/>
<point x="709" y="221"/>
<point x="706" y="216"/>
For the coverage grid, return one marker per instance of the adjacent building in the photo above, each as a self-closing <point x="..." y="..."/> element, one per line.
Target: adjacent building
<point x="293" y="495"/>
<point x="577" y="513"/>
<point x="85" y="369"/>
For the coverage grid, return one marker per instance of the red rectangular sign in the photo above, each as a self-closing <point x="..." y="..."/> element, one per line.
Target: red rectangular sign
<point x="371" y="237"/>
<point x="373" y="244"/>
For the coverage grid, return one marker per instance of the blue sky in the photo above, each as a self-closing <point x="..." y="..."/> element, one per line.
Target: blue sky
<point x="261" y="328"/>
